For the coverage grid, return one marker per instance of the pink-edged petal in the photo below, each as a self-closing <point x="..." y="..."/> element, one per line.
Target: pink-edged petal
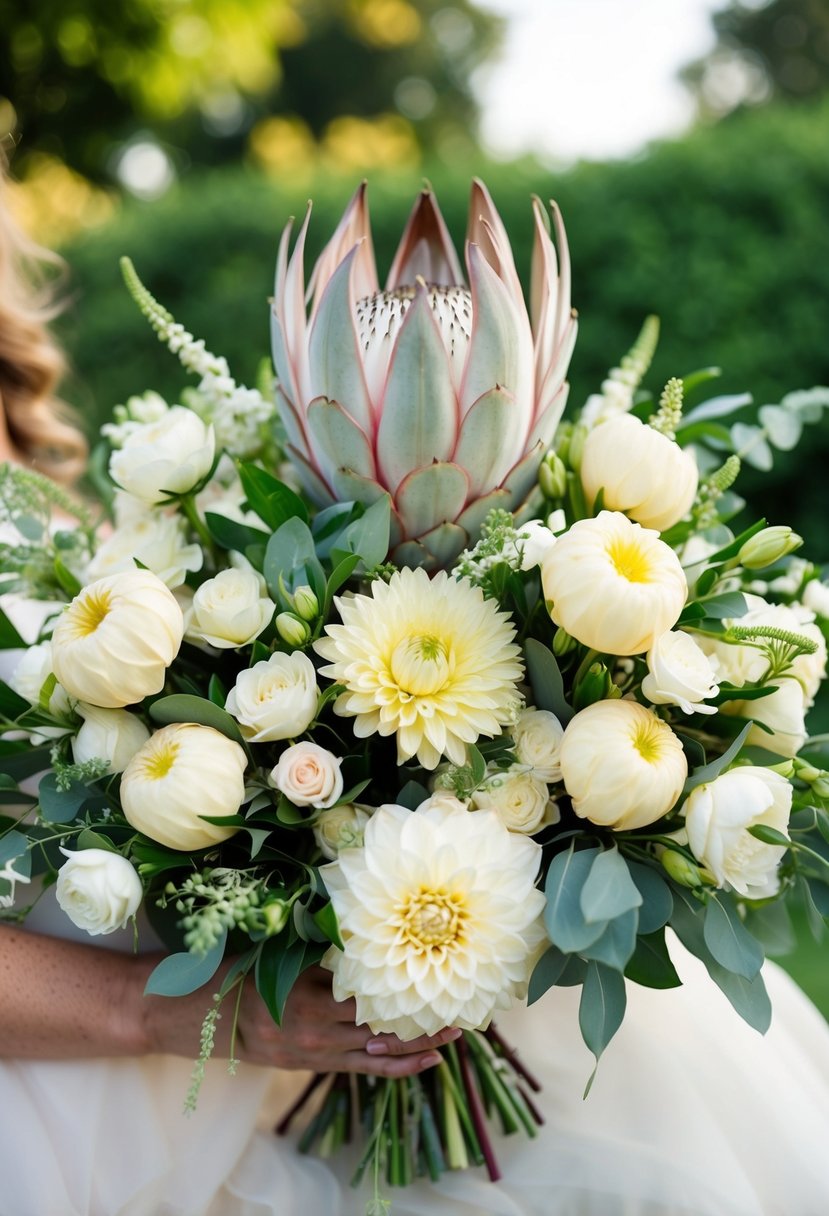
<point x="293" y="421"/>
<point x="337" y="441"/>
<point x="484" y="439"/>
<point x="354" y="228"/>
<point x="290" y="309"/>
<point x="523" y="476"/>
<point x="425" y="249"/>
<point x="547" y="388"/>
<point x="474" y="515"/>
<point x="445" y="543"/>
<point x="312" y="481"/>
<point x="281" y="359"/>
<point x="544" y="427"/>
<point x="418" y="422"/>
<point x="543" y="291"/>
<point x="564" y="308"/>
<point x="485" y="228"/>
<point x="335" y="356"/>
<point x="431" y="496"/>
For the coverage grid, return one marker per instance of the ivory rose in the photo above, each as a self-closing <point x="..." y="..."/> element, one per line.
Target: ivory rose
<point x="230" y="610"/>
<point x="680" y="673"/>
<point x="108" y="734"/>
<point x="537" y="736"/>
<point x="340" y="827"/>
<point x="520" y="800"/>
<point x="308" y="775"/>
<point x="276" y="698"/>
<point x="98" y="890"/>
<point x="168" y="456"/>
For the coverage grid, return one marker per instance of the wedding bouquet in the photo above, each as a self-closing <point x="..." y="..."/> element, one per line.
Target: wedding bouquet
<point x="391" y="669"/>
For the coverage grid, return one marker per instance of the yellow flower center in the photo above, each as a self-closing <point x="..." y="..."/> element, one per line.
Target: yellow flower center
<point x="159" y="762"/>
<point x="420" y="665"/>
<point x="629" y="560"/>
<point x="648" y="740"/>
<point x="89" y="610"/>
<point x="432" y="919"/>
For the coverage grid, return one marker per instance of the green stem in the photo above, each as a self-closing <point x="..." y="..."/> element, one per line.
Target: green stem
<point x="198" y="525"/>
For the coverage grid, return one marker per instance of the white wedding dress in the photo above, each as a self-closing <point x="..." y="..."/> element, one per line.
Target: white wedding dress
<point x="692" y="1114"/>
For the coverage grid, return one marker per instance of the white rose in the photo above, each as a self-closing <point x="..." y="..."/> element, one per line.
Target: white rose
<point x="537" y="736"/>
<point x="183" y="772"/>
<point x="230" y="610"/>
<point x="308" y="775"/>
<point x="165" y="457"/>
<point x="157" y="541"/>
<point x="98" y="890"/>
<point x="341" y="827"/>
<point x="108" y="734"/>
<point x="613" y="585"/>
<point x="32" y="672"/>
<point x="113" y="644"/>
<point x="642" y="472"/>
<point x="534" y="540"/>
<point x="622" y="766"/>
<point x="520" y="800"/>
<point x="276" y="698"/>
<point x="718" y="816"/>
<point x="680" y="673"/>
<point x="816" y="597"/>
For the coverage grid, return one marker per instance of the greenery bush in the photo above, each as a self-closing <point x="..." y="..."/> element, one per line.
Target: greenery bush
<point x="723" y="234"/>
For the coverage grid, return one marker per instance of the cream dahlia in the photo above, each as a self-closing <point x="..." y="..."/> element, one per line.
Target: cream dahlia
<point x="429" y="660"/>
<point x="439" y="917"/>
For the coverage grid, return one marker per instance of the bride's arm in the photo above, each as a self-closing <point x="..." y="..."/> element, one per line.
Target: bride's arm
<point x="65" y="1000"/>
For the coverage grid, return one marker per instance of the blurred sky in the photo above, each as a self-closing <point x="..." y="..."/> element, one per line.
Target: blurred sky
<point x="591" y="78"/>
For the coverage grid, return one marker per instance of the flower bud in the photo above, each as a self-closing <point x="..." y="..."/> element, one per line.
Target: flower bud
<point x="563" y="642"/>
<point x="680" y="869"/>
<point x="820" y="788"/>
<point x="576" y="447"/>
<point x="276" y="913"/>
<point x="802" y="769"/>
<point x="552" y="476"/>
<point x="291" y="629"/>
<point x="596" y="685"/>
<point x="306" y="604"/>
<point x="768" y="546"/>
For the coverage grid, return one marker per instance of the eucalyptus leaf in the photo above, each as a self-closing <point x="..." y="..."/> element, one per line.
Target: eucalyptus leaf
<point x="783" y="427"/>
<point x="563" y="916"/>
<point x="751" y="446"/>
<point x="181" y="974"/>
<point x="546" y="973"/>
<point x="10" y="639"/>
<point x="709" y="771"/>
<point x="411" y="795"/>
<point x="657" y="901"/>
<point x="716" y="407"/>
<point x="368" y="536"/>
<point x="729" y="941"/>
<point x="650" y="964"/>
<point x="546" y="680"/>
<point x="61" y="806"/>
<point x="602" y="1006"/>
<point x="182" y="707"/>
<point x="609" y="889"/>
<point x="13" y="844"/>
<point x="616" y="945"/>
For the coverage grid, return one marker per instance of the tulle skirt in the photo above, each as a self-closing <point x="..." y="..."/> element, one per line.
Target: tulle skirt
<point x="692" y="1114"/>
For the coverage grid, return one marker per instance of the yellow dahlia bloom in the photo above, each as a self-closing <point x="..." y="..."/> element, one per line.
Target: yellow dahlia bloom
<point x="613" y="585"/>
<point x="439" y="917"/>
<point x="429" y="660"/>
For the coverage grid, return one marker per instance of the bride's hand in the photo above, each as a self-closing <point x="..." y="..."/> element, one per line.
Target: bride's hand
<point x="317" y="1032"/>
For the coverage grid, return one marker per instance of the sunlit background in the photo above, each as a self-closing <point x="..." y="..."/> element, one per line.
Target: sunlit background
<point x="687" y="142"/>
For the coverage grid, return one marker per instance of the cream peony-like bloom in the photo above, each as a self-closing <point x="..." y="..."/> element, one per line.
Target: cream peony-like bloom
<point x="341" y="827"/>
<point x="98" y="890"/>
<point x="157" y="541"/>
<point x="537" y="736"/>
<point x="520" y="800"/>
<point x="32" y="672"/>
<point x="622" y="766"/>
<point x="230" y="610"/>
<point x="718" y="816"/>
<point x="613" y="585"/>
<point x="428" y="660"/>
<point x="113" y="644"/>
<point x="168" y="456"/>
<point x="308" y="775"/>
<point x="680" y="673"/>
<point x="782" y="712"/>
<point x="182" y="772"/>
<point x="816" y="598"/>
<point x="439" y="916"/>
<point x="640" y="471"/>
<point x="108" y="734"/>
<point x="276" y="698"/>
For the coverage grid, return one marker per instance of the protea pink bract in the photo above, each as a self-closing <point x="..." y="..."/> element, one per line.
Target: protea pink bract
<point x="443" y="395"/>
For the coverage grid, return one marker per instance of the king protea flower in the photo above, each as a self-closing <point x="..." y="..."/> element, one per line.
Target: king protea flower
<point x="432" y="391"/>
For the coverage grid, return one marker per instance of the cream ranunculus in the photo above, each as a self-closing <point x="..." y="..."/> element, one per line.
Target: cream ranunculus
<point x="98" y="890"/>
<point x="537" y="736"/>
<point x="640" y="471"/>
<point x="680" y="673"/>
<point x="115" y="641"/>
<point x="308" y="775"/>
<point x="520" y="800"/>
<point x="439" y="917"/>
<point x="108" y="734"/>
<point x="276" y="698"/>
<point x="157" y="541"/>
<point x="718" y="816"/>
<point x="169" y="456"/>
<point x="181" y="773"/>
<point x="341" y="827"/>
<point x="230" y="610"/>
<point x="622" y="766"/>
<point x="613" y="585"/>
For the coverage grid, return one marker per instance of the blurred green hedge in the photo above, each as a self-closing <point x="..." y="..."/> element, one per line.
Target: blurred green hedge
<point x="724" y="234"/>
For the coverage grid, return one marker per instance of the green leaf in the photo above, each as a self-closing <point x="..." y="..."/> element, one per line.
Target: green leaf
<point x="609" y="889"/>
<point x="11" y="704"/>
<point x="709" y="771"/>
<point x="326" y="920"/>
<point x="477" y="763"/>
<point x="181" y="974"/>
<point x="748" y="997"/>
<point x="563" y="916"/>
<point x="368" y="536"/>
<point x="717" y="407"/>
<point x="546" y="680"/>
<point x="66" y="579"/>
<point x="733" y="547"/>
<point x="88" y="839"/>
<point x="730" y="943"/>
<point x="291" y="555"/>
<point x="769" y="835"/>
<point x="546" y="973"/>
<point x="181" y="707"/>
<point x="20" y="759"/>
<point x="13" y="844"/>
<point x="411" y="795"/>
<point x="783" y="427"/>
<point x="819" y="892"/>
<point x="751" y="446"/>
<point x="10" y="639"/>
<point x="657" y="901"/>
<point x="230" y="534"/>
<point x="722" y="607"/>
<point x="616" y="945"/>
<point x="602" y="1007"/>
<point x="650" y="964"/>
<point x="279" y="966"/>
<point x="341" y="573"/>
<point x="61" y="806"/>
<point x="272" y="501"/>
<point x="216" y="691"/>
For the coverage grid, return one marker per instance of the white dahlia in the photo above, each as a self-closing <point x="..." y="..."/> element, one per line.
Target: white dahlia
<point x="439" y="917"/>
<point x="429" y="660"/>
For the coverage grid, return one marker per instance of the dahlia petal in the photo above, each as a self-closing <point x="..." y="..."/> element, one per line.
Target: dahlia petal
<point x="335" y="357"/>
<point x="425" y="249"/>
<point x="431" y="496"/>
